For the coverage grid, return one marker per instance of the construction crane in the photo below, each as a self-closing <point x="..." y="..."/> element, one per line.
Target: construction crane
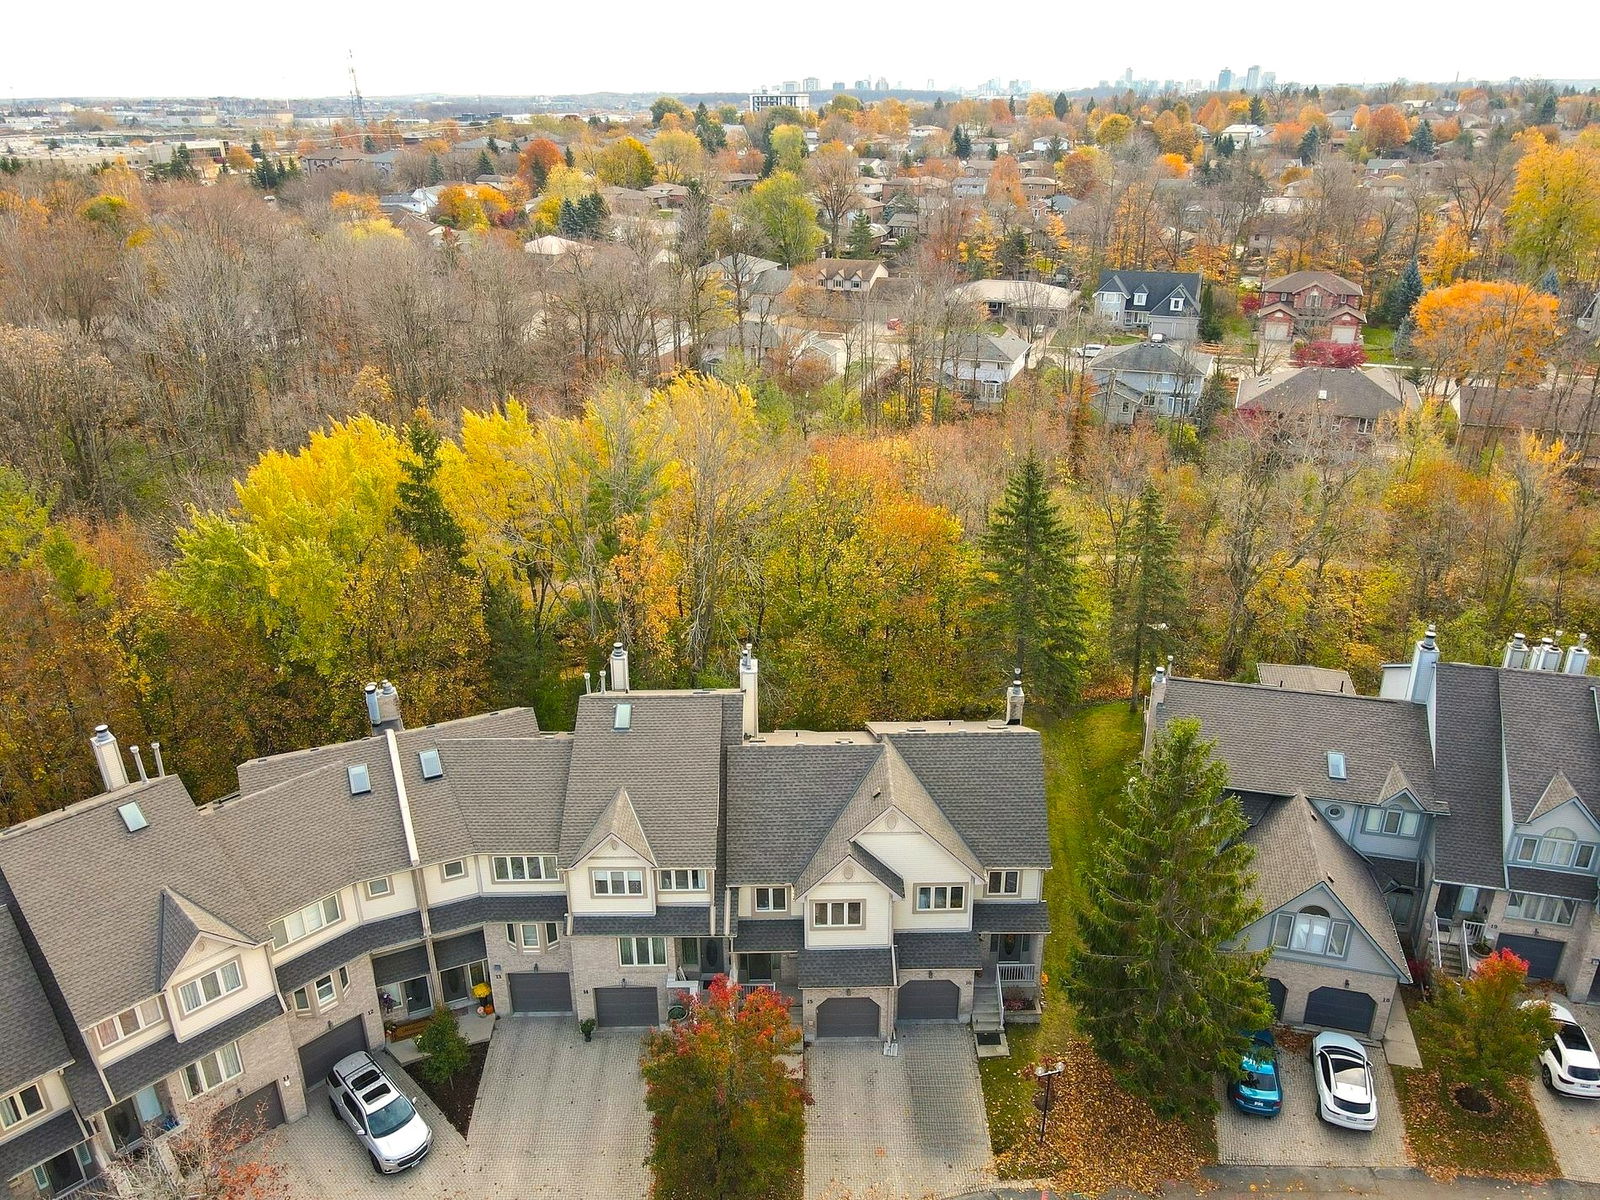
<point x="358" y="110"/>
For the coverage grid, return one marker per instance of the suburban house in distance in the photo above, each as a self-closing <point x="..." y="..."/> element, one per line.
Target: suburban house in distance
<point x="1311" y="306"/>
<point x="161" y="961"/>
<point x="1164" y="302"/>
<point x="1150" y="380"/>
<point x="1454" y="812"/>
<point x="1356" y="399"/>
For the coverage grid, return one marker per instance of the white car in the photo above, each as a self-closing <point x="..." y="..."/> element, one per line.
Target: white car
<point x="384" y="1120"/>
<point x="1569" y="1064"/>
<point x="1345" y="1093"/>
<point x="1091" y="350"/>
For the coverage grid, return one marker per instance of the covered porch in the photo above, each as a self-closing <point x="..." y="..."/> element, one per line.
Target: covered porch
<point x="1010" y="982"/>
<point x="1457" y="939"/>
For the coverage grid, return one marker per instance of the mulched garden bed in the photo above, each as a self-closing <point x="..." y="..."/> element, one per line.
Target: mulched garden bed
<point x="458" y="1094"/>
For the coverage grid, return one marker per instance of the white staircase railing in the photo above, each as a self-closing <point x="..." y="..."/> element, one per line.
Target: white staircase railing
<point x="1018" y="973"/>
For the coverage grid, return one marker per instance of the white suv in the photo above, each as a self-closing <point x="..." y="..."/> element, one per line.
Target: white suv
<point x="1569" y="1064"/>
<point x="383" y="1119"/>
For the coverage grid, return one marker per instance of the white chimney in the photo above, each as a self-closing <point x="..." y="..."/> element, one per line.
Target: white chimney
<point x="1545" y="655"/>
<point x="138" y="762"/>
<point x="1158" y="686"/>
<point x="161" y="767"/>
<point x="1014" y="700"/>
<point x="619" y="667"/>
<point x="749" y="678"/>
<point x="1424" y="664"/>
<point x="374" y="717"/>
<point x="1516" y="652"/>
<point x="108" y="757"/>
<point x="383" y="706"/>
<point x="1578" y="656"/>
<point x="1322" y="395"/>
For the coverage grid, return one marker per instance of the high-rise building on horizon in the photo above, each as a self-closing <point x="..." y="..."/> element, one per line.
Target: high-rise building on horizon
<point x="1269" y="80"/>
<point x="1252" y="79"/>
<point x="1225" y="79"/>
<point x="811" y="84"/>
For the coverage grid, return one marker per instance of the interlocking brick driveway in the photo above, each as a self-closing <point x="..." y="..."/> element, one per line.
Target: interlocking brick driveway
<point x="1573" y="1126"/>
<point x="896" y="1128"/>
<point x="1297" y="1137"/>
<point x="556" y="1116"/>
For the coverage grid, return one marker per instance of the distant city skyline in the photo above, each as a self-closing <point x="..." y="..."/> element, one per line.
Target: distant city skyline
<point x="186" y="49"/>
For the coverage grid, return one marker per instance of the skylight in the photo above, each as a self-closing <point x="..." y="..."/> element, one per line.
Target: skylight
<point x="623" y="718"/>
<point x="132" y="816"/>
<point x="360" y="779"/>
<point x="432" y="768"/>
<point x="1335" y="765"/>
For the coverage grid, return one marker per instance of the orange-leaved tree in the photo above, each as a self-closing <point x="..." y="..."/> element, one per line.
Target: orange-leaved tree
<point x="1493" y="331"/>
<point x="1477" y="1032"/>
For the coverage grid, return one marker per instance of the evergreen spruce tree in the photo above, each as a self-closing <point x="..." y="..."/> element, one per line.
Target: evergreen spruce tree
<point x="1030" y="587"/>
<point x="255" y="150"/>
<point x="994" y="152"/>
<point x="435" y="170"/>
<point x="858" y="244"/>
<point x="1258" y="111"/>
<point x="568" y="220"/>
<point x="1210" y="329"/>
<point x="1011" y="103"/>
<point x="485" y="163"/>
<point x="421" y="513"/>
<point x="568" y="158"/>
<point x="1213" y="399"/>
<point x="1153" y="595"/>
<point x="1153" y="985"/>
<point x="1061" y="106"/>
<point x="1547" y="109"/>
<point x="1309" y="144"/>
<point x="1401" y="296"/>
<point x="1225" y="146"/>
<point x="494" y="146"/>
<point x="1422" y="139"/>
<point x="368" y="145"/>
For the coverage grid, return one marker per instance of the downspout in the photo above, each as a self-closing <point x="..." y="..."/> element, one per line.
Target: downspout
<point x="419" y="882"/>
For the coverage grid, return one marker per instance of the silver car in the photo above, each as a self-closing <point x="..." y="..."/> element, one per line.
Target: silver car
<point x="384" y="1120"/>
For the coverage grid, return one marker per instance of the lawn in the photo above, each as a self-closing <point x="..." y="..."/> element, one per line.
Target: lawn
<point x="1087" y="755"/>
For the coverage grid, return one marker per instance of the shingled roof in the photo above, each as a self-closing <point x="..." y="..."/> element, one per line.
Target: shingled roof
<point x="33" y="1045"/>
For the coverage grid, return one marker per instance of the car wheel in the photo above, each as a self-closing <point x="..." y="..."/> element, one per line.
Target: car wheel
<point x="333" y="1106"/>
<point x="377" y="1166"/>
<point x="1544" y="1073"/>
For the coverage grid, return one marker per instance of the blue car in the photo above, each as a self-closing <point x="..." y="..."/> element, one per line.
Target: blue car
<point x="1259" y="1089"/>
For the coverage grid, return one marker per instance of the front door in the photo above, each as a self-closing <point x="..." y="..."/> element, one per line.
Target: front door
<point x="127" y="1121"/>
<point x="1012" y="947"/>
<point x="1447" y="901"/>
<point x="757" y="968"/>
<point x="418" y="996"/>
<point x="689" y="958"/>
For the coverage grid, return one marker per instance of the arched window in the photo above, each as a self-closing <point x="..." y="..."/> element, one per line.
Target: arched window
<point x="1557" y="847"/>
<point x="1311" y="931"/>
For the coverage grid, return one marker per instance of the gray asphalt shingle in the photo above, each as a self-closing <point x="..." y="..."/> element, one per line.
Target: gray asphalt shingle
<point x="869" y="966"/>
<point x="33" y="1044"/>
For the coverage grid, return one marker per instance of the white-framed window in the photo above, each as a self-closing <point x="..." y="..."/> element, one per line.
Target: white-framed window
<point x="617" y="883"/>
<point x="1394" y="822"/>
<point x="1005" y="883"/>
<point x="836" y="914"/>
<point x="326" y="991"/>
<point x="1140" y="297"/>
<point x="552" y="933"/>
<point x="382" y="886"/>
<point x="41" y="1175"/>
<point x="1559" y="848"/>
<point x="1176" y="304"/>
<point x="771" y="899"/>
<point x="300" y="998"/>
<point x="941" y="897"/>
<point x="211" y="987"/>
<point x="515" y="868"/>
<point x="456" y="868"/>
<point x="679" y="880"/>
<point x="344" y="979"/>
<point x="129" y="1022"/>
<point x="1311" y="931"/>
<point x="213" y="1070"/>
<point x="297" y="925"/>
<point x="1544" y="910"/>
<point x="642" y="951"/>
<point x="21" y="1105"/>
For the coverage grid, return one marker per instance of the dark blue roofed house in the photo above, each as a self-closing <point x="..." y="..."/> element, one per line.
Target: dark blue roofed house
<point x="164" y="963"/>
<point x="1159" y="302"/>
<point x="1451" y="815"/>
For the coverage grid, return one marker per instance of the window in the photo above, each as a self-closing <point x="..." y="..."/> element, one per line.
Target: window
<point x="1314" y="299"/>
<point x="1176" y="304"/>
<point x="1005" y="883"/>
<point x="379" y="887"/>
<point x="428" y="760"/>
<point x="524" y="934"/>
<point x="129" y="1022"/>
<point x="1140" y="297"/>
<point x="19" y="1106"/>
<point x="306" y="922"/>
<point x="682" y="881"/>
<point x="617" y="883"/>
<point x="1395" y="822"/>
<point x="642" y="951"/>
<point x="515" y="868"/>
<point x="772" y="899"/>
<point x="1311" y="931"/>
<point x="843" y="914"/>
<point x="213" y="1070"/>
<point x="360" y="779"/>
<point x="552" y="933"/>
<point x="344" y="979"/>
<point x="301" y="1000"/>
<point x="455" y="869"/>
<point x="1336" y="765"/>
<point x="622" y="719"/>
<point x="213" y="986"/>
<point x="1558" y="848"/>
<point x="327" y="994"/>
<point x="1546" y="910"/>
<point x="941" y="898"/>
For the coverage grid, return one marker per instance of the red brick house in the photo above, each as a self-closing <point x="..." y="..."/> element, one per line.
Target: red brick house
<point x="1311" y="306"/>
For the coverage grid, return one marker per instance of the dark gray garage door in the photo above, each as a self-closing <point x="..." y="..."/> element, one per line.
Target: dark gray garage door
<point x="929" y="1000"/>
<point x="253" y="1115"/>
<point x="847" y="1016"/>
<point x="623" y="1006"/>
<point x="1278" y="994"/>
<point x="1341" y="1009"/>
<point x="1543" y="954"/>
<point x="317" y="1057"/>
<point x="540" y="991"/>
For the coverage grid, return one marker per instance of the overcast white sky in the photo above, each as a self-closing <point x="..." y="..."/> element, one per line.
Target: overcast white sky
<point x="297" y="47"/>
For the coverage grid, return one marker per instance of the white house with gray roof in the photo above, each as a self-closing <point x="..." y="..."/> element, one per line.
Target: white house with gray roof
<point x="165" y="961"/>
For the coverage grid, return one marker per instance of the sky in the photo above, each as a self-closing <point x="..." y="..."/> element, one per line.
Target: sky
<point x="297" y="48"/>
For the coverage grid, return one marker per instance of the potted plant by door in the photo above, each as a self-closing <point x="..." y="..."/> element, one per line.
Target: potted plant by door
<point x="481" y="992"/>
<point x="586" y="1027"/>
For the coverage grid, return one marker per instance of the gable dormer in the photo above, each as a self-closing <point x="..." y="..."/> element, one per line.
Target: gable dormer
<point x="852" y="904"/>
<point x="615" y="868"/>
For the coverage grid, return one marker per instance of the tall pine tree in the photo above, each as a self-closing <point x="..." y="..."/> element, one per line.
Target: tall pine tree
<point x="422" y="514"/>
<point x="1154" y="595"/>
<point x="1154" y="986"/>
<point x="1031" y="587"/>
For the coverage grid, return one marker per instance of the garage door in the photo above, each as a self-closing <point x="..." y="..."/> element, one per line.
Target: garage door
<point x="1340" y="1008"/>
<point x="252" y="1116"/>
<point x="1278" y="994"/>
<point x="540" y="991"/>
<point x="317" y="1057"/>
<point x="847" y="1016"/>
<point x="929" y="1000"/>
<point x="1543" y="954"/>
<point x="623" y="1006"/>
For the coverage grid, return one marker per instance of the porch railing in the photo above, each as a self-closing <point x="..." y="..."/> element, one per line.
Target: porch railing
<point x="1018" y="973"/>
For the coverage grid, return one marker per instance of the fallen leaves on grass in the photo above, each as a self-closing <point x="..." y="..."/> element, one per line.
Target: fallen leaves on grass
<point x="1447" y="1141"/>
<point x="1100" y="1137"/>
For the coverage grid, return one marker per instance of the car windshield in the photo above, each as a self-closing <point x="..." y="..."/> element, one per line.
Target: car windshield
<point x="1573" y="1038"/>
<point x="1349" y="1084"/>
<point x="390" y="1117"/>
<point x="1258" y="1077"/>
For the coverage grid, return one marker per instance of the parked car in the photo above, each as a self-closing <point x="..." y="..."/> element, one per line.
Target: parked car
<point x="385" y="1121"/>
<point x="1092" y="349"/>
<point x="1259" y="1089"/>
<point x="1569" y="1064"/>
<point x="1345" y="1093"/>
